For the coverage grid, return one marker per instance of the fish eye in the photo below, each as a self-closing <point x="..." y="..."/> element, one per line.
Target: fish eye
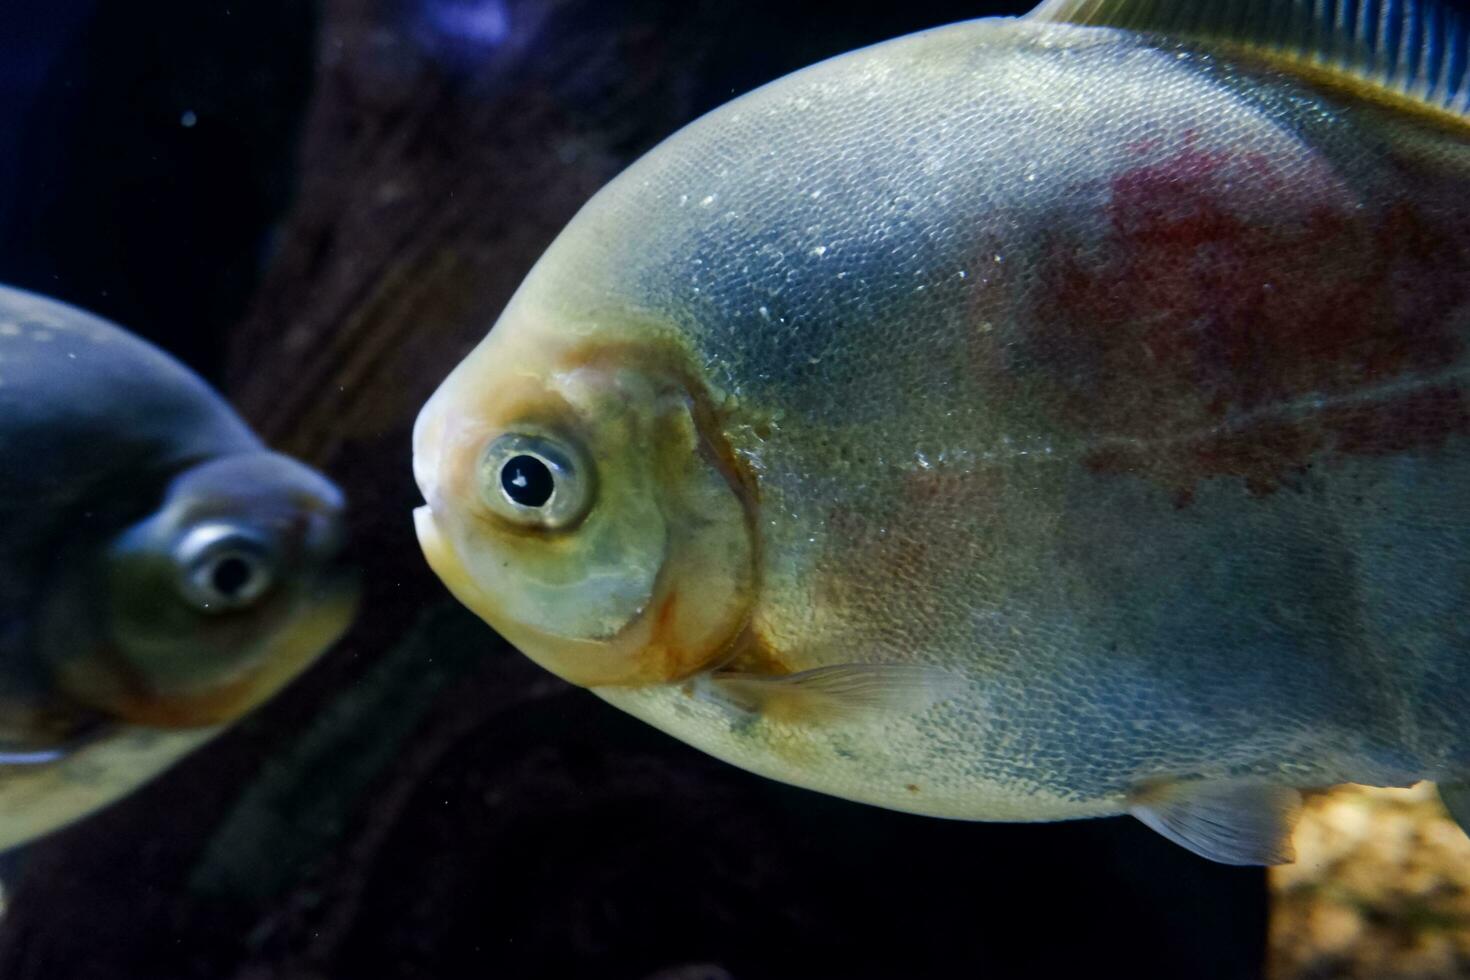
<point x="223" y="568"/>
<point x="535" y="481"/>
<point x="527" y="480"/>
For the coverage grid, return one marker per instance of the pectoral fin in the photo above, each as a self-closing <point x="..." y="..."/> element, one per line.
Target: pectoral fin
<point x="1456" y="797"/>
<point x="833" y="693"/>
<point x="1230" y="821"/>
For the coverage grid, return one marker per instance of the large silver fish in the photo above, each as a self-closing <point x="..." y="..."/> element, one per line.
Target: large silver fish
<point x="161" y="571"/>
<point x="1028" y="419"/>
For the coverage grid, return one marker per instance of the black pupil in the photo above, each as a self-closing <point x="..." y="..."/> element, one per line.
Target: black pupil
<point x="527" y="481"/>
<point x="230" y="576"/>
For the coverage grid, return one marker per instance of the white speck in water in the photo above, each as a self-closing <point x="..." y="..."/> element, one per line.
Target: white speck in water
<point x="819" y="251"/>
<point x="707" y="201"/>
<point x="963" y="274"/>
<point x="683" y="199"/>
<point x="765" y="313"/>
<point x="188" y="119"/>
<point x="72" y="355"/>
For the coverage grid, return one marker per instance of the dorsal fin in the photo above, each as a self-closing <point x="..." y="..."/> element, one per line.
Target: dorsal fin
<point x="1419" y="49"/>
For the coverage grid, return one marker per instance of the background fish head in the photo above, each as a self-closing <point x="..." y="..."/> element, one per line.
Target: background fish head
<point x="210" y="604"/>
<point x="579" y="500"/>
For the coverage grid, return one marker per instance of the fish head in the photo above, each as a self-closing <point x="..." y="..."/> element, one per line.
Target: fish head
<point x="206" y="607"/>
<point x="578" y="500"/>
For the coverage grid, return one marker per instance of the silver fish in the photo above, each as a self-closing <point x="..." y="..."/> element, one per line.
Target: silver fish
<point x="1028" y="419"/>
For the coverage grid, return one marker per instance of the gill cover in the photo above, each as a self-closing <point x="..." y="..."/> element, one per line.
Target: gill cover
<point x="578" y="501"/>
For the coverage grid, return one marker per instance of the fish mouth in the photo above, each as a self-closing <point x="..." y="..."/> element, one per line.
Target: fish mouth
<point x="444" y="562"/>
<point x="431" y="541"/>
<point x="428" y="440"/>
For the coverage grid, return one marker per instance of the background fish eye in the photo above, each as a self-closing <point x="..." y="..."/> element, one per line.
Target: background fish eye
<point x="224" y="568"/>
<point x="536" y="481"/>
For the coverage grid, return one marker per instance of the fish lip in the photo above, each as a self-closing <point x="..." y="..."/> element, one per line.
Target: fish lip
<point x="427" y="444"/>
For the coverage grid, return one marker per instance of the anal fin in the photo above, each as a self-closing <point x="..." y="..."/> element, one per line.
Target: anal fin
<point x="1230" y="821"/>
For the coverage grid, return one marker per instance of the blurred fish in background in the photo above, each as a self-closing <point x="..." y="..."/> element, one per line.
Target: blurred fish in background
<point x="160" y="569"/>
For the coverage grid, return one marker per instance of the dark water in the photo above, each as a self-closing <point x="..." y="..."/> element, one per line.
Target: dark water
<point x="321" y="207"/>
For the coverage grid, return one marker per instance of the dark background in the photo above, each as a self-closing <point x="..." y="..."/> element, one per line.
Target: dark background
<point x="359" y="186"/>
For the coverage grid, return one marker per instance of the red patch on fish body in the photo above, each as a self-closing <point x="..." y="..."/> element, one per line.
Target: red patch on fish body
<point x="1235" y="314"/>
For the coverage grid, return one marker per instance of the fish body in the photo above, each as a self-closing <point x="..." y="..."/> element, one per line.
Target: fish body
<point x="161" y="571"/>
<point x="1084" y="411"/>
